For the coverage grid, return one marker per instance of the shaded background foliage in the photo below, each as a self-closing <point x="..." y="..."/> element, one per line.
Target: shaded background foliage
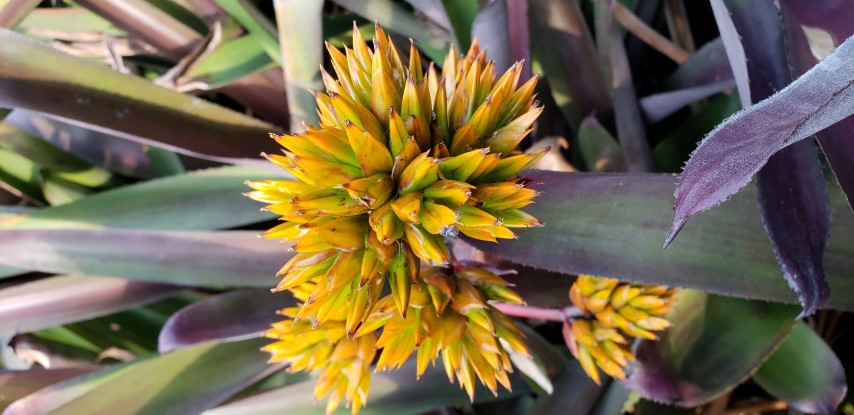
<point x="129" y="261"/>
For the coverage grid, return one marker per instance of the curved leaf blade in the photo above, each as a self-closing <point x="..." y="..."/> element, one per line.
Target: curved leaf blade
<point x="804" y="372"/>
<point x="69" y="298"/>
<point x="17" y="384"/>
<point x="185" y="381"/>
<point x="228" y="316"/>
<point x="186" y="258"/>
<point x="733" y="152"/>
<point x="713" y="344"/>
<point x="611" y="225"/>
<point x="39" y="78"/>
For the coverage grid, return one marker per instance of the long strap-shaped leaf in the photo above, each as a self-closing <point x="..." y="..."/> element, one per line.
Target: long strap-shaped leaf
<point x="36" y="77"/>
<point x="611" y="225"/>
<point x="734" y="151"/>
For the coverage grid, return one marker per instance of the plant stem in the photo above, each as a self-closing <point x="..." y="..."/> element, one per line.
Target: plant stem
<point x="548" y="314"/>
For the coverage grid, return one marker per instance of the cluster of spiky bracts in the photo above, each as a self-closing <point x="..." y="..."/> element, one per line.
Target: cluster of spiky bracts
<point x="616" y="313"/>
<point x="401" y="160"/>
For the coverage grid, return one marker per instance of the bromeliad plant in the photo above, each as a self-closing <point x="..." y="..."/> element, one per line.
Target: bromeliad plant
<point x="401" y="161"/>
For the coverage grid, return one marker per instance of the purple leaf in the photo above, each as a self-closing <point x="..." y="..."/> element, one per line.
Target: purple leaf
<point x="229" y="316"/>
<point x="611" y="225"/>
<point x="66" y="299"/>
<point x="518" y="29"/>
<point x="733" y="152"/>
<point x="657" y="107"/>
<point x="490" y="27"/>
<point x="713" y="344"/>
<point x="434" y="10"/>
<point x="835" y="18"/>
<point x="790" y="187"/>
<point x="708" y="65"/>
<point x="734" y="50"/>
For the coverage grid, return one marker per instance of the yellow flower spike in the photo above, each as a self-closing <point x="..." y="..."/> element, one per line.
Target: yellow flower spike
<point x="435" y="217"/>
<point x="400" y="282"/>
<point x="484" y="168"/>
<point x="449" y="192"/>
<point x="515" y="218"/>
<point x="461" y="167"/>
<point x="397" y="134"/>
<point x="372" y="155"/>
<point x="386" y="224"/>
<point x="508" y="137"/>
<point x="408" y="207"/>
<point x="473" y="217"/>
<point x="441" y="128"/>
<point x="421" y="173"/>
<point x="373" y="191"/>
<point x="413" y="114"/>
<point x="463" y="140"/>
<point x="410" y="152"/>
<point x="426" y="246"/>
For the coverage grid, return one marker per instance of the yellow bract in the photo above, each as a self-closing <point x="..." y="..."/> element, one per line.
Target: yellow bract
<point x="618" y="309"/>
<point x="401" y="159"/>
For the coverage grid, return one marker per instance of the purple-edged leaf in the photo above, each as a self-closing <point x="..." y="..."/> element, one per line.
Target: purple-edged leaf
<point x="832" y="18"/>
<point x="713" y="344"/>
<point x="794" y="206"/>
<point x="185" y="258"/>
<point x="185" y="381"/>
<point x="790" y="186"/>
<point x="804" y="372"/>
<point x="37" y="77"/>
<point x="708" y="65"/>
<point x="611" y="225"/>
<point x="201" y="200"/>
<point x="734" y="151"/>
<point x="615" y="63"/>
<point x="519" y="31"/>
<point x="394" y="392"/>
<point x="657" y="107"/>
<point x="599" y="149"/>
<point x="491" y="28"/>
<point x="734" y="50"/>
<point x="66" y="299"/>
<point x="17" y="384"/>
<point x="228" y="316"/>
<point x="569" y="60"/>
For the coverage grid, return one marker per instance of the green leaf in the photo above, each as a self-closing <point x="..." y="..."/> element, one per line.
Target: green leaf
<point x="233" y="60"/>
<point x="61" y="192"/>
<point x="300" y="28"/>
<point x="64" y="299"/>
<point x="208" y="199"/>
<point x="37" y="77"/>
<point x="804" y="372"/>
<point x="67" y="19"/>
<point x="165" y="162"/>
<point x="617" y="222"/>
<point x="599" y="149"/>
<point x="714" y="344"/>
<point x="186" y="258"/>
<point x="59" y="162"/>
<point x="462" y="14"/>
<point x="256" y="24"/>
<point x="396" y="392"/>
<point x="20" y="173"/>
<point x="185" y="381"/>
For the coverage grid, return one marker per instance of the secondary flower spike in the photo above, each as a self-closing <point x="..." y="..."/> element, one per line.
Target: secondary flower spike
<point x="401" y="159"/>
